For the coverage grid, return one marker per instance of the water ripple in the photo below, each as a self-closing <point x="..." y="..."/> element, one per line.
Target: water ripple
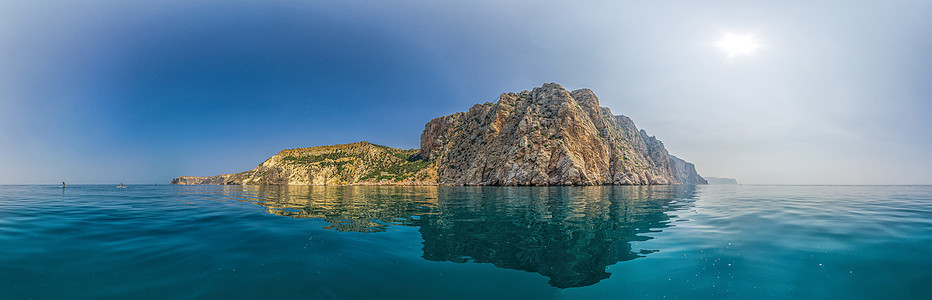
<point x="468" y="242"/>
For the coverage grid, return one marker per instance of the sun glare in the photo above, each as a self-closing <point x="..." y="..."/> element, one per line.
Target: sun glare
<point x="738" y="44"/>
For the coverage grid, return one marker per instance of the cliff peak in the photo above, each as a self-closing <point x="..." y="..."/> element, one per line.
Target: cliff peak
<point x="550" y="86"/>
<point x="585" y="97"/>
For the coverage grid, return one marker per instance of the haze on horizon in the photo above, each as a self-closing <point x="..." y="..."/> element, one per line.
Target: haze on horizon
<point x="107" y="91"/>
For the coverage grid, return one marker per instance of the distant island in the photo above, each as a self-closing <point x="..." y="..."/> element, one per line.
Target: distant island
<point x="721" y="180"/>
<point x="546" y="136"/>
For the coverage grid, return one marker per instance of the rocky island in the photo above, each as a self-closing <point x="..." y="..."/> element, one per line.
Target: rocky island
<point x="546" y="136"/>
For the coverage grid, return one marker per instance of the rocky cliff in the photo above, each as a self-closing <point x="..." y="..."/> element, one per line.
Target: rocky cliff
<point x="548" y="136"/>
<point x="356" y="163"/>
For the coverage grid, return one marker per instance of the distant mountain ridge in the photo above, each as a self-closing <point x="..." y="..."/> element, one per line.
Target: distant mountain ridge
<point x="721" y="180"/>
<point x="546" y="136"/>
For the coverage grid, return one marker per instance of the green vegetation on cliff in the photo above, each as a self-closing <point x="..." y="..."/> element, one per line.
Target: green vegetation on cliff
<point x="356" y="163"/>
<point x="364" y="162"/>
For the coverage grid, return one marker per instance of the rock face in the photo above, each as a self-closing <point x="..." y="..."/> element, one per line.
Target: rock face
<point x="356" y="163"/>
<point x="548" y="136"/>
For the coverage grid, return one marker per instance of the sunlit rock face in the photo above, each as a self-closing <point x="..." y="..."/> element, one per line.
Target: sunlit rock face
<point x="548" y="136"/>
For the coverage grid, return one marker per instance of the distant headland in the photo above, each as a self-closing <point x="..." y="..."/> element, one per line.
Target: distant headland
<point x="720" y="180"/>
<point x="546" y="136"/>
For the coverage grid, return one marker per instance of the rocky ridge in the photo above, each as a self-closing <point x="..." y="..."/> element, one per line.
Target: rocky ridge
<point x="546" y="136"/>
<point x="356" y="163"/>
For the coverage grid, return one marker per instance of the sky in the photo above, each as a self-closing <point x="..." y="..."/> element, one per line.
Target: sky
<point x="97" y="91"/>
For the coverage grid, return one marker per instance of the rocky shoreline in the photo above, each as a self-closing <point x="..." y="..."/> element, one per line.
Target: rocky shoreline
<point x="542" y="137"/>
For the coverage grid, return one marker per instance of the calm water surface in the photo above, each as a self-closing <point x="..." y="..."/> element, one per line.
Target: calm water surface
<point x="716" y="242"/>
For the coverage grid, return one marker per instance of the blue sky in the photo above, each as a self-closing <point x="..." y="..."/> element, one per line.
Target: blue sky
<point x="110" y="91"/>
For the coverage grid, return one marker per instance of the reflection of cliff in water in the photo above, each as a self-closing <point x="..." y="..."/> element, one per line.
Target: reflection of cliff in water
<point x="348" y="208"/>
<point x="569" y="234"/>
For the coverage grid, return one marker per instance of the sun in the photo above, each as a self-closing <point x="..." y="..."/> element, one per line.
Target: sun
<point x="738" y="44"/>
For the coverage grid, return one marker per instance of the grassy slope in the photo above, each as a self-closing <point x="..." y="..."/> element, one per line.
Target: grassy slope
<point x="363" y="162"/>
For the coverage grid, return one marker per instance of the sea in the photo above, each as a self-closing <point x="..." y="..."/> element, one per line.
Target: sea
<point x="389" y="242"/>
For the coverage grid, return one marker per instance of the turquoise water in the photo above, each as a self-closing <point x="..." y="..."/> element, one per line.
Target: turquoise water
<point x="705" y="242"/>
